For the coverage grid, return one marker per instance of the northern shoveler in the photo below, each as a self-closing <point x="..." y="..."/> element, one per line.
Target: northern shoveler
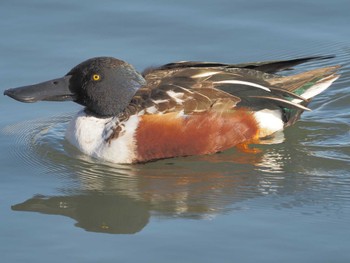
<point x="178" y="109"/>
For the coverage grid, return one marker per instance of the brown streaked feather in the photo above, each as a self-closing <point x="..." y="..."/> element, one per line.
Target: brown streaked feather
<point x="293" y="82"/>
<point x="189" y="95"/>
<point x="223" y="105"/>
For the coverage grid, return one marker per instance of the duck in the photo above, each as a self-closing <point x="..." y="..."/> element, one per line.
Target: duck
<point x="179" y="109"/>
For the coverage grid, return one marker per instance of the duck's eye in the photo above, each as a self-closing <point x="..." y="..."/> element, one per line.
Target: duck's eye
<point x="96" y="77"/>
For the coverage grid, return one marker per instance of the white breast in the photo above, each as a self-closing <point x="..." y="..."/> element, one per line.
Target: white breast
<point x="89" y="134"/>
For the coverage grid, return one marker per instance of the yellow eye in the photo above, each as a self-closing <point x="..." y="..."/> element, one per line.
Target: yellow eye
<point x="96" y="77"/>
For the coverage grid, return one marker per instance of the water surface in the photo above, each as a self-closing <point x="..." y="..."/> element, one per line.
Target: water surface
<point x="289" y="203"/>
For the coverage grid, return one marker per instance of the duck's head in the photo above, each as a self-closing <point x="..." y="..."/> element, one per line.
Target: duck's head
<point x="105" y="85"/>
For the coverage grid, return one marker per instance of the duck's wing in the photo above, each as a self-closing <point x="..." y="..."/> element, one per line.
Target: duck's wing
<point x="186" y="90"/>
<point x="199" y="89"/>
<point x="193" y="88"/>
<point x="250" y="85"/>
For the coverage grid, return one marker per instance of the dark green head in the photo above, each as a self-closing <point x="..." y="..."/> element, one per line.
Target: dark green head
<point x="104" y="85"/>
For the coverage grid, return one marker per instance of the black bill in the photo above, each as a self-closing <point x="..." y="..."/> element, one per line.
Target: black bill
<point x="52" y="90"/>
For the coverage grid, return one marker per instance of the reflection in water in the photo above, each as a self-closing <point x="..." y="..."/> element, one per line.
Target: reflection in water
<point x="114" y="198"/>
<point x="93" y="212"/>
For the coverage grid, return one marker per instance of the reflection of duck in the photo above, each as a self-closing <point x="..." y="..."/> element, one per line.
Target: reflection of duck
<point x="94" y="212"/>
<point x="178" y="109"/>
<point x="113" y="198"/>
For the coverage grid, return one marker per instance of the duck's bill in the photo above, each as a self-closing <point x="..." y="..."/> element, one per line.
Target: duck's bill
<point x="52" y="90"/>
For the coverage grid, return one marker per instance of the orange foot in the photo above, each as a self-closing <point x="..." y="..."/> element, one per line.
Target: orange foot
<point x="244" y="147"/>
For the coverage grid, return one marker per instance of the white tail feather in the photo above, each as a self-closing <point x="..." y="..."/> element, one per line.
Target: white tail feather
<point x="319" y="87"/>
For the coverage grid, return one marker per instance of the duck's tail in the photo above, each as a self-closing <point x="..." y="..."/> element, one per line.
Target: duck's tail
<point x="306" y="86"/>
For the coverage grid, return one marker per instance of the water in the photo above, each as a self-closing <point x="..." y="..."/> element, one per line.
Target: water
<point x="289" y="203"/>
